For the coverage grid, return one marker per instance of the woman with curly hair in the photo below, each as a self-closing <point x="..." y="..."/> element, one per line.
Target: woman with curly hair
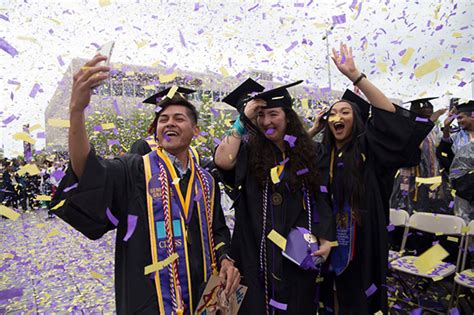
<point x="270" y="160"/>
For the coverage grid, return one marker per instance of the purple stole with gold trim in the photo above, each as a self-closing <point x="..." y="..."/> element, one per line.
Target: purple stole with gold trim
<point x="180" y="209"/>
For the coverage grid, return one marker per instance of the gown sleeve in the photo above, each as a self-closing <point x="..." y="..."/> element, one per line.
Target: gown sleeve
<point x="219" y="227"/>
<point x="104" y="185"/>
<point x="394" y="138"/>
<point x="236" y="176"/>
<point x="444" y="153"/>
<point x="324" y="223"/>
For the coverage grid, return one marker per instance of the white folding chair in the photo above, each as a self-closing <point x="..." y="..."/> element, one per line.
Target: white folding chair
<point x="465" y="278"/>
<point x="398" y="218"/>
<point x="438" y="224"/>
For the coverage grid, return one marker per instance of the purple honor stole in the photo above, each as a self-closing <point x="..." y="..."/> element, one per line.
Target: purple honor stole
<point x="341" y="255"/>
<point x="168" y="216"/>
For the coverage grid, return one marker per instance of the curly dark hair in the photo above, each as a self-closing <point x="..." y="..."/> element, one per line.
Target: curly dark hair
<point x="262" y="156"/>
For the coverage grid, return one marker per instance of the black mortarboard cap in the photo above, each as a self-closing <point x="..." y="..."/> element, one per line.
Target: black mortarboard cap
<point x="363" y="105"/>
<point x="466" y="107"/>
<point x="161" y="100"/>
<point x="278" y="97"/>
<point x="421" y="103"/>
<point x="242" y="93"/>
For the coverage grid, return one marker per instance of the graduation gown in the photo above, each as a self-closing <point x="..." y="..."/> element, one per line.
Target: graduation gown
<point x="390" y="141"/>
<point x="288" y="284"/>
<point x="119" y="185"/>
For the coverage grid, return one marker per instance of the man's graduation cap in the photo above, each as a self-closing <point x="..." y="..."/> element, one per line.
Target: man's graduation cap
<point x="421" y="103"/>
<point x="467" y="107"/>
<point x="363" y="107"/>
<point x="277" y="97"/>
<point x="162" y="99"/>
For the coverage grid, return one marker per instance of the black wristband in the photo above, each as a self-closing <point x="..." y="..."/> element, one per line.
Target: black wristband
<point x="362" y="75"/>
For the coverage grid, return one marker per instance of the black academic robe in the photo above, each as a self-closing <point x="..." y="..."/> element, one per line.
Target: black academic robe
<point x="390" y="141"/>
<point x="288" y="283"/>
<point x="119" y="184"/>
<point x="445" y="154"/>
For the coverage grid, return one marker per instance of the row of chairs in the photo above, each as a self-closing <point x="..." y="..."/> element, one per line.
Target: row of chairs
<point x="438" y="224"/>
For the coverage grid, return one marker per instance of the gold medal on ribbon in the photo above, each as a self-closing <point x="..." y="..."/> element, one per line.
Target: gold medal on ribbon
<point x="277" y="199"/>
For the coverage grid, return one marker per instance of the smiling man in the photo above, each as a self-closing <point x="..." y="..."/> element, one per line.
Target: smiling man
<point x="171" y="232"/>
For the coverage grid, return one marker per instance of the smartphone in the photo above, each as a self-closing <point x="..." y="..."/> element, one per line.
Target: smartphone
<point x="106" y="50"/>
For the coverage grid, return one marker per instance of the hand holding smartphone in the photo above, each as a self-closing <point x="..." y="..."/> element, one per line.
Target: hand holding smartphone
<point x="104" y="50"/>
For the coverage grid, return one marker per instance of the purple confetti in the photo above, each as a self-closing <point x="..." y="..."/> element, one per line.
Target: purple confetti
<point x="13" y="82"/>
<point x="8" y="120"/>
<point x="371" y="290"/>
<point x="11" y="293"/>
<point x="4" y="17"/>
<point x="454" y="311"/>
<point x="416" y="311"/>
<point x="390" y="227"/>
<point x="167" y="138"/>
<point x="278" y="305"/>
<point x="58" y="175"/>
<point x="466" y="59"/>
<point x="6" y="47"/>
<point x="73" y="186"/>
<point x="471" y="248"/>
<point x="111" y="217"/>
<point x="270" y="131"/>
<point x="293" y="45"/>
<point x="254" y="7"/>
<point x="60" y="60"/>
<point x="41" y="135"/>
<point x="214" y="112"/>
<point x="196" y="6"/>
<point x="451" y="203"/>
<point x="343" y="59"/>
<point x="113" y="142"/>
<point x="323" y="189"/>
<point x="421" y="119"/>
<point x="181" y="37"/>
<point x="131" y="225"/>
<point x="290" y="139"/>
<point x="301" y="172"/>
<point x="339" y="19"/>
<point x="267" y="48"/>
<point x="116" y="107"/>
<point x="98" y="128"/>
<point x="284" y="161"/>
<point x="34" y="90"/>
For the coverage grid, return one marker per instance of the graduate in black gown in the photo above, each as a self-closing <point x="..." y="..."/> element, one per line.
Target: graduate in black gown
<point x="171" y="233"/>
<point x="279" y="186"/>
<point x="365" y="153"/>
